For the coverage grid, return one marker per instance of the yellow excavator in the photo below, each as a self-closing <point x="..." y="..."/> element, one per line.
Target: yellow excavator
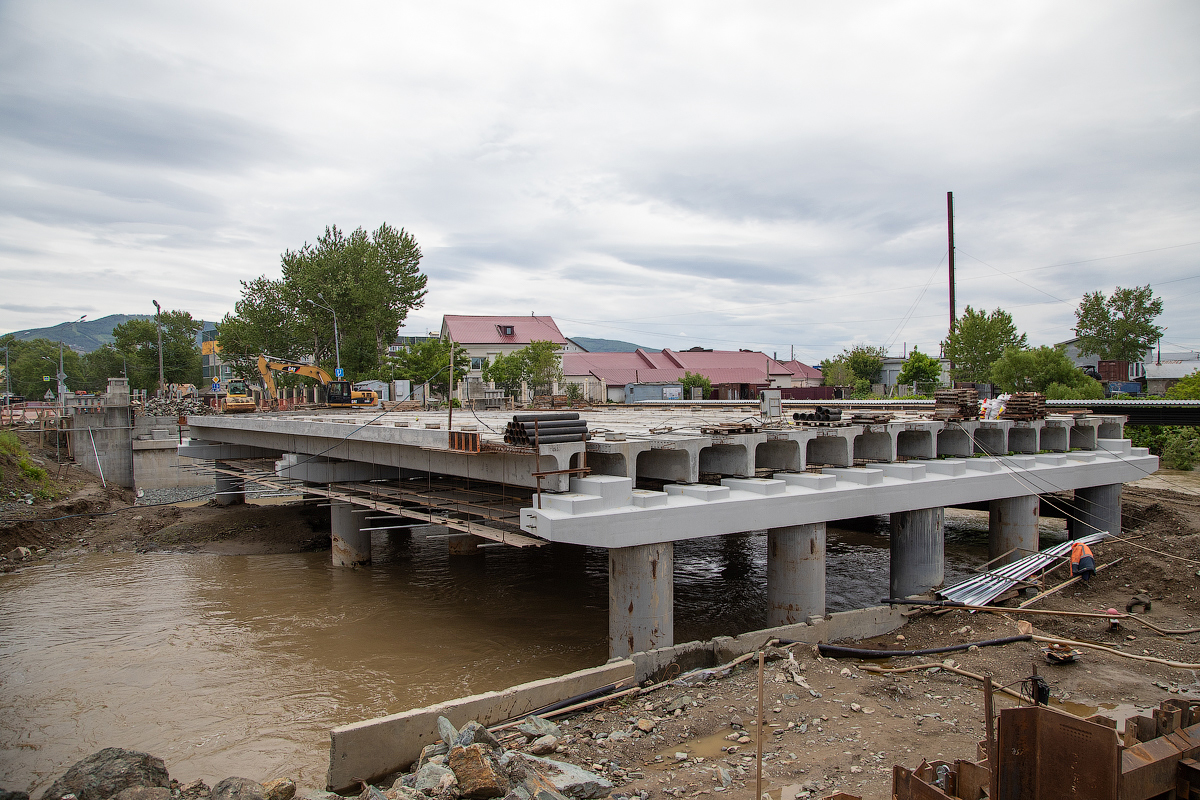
<point x="341" y="394"/>
<point x="239" y="399"/>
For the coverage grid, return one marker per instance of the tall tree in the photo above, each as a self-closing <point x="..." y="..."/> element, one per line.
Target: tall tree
<point x="978" y="340"/>
<point x="31" y="361"/>
<point x="866" y="362"/>
<point x="924" y="372"/>
<point x="1044" y="369"/>
<point x="429" y="362"/>
<point x="371" y="281"/>
<point x="539" y="364"/>
<point x="138" y="340"/>
<point x="1120" y="327"/>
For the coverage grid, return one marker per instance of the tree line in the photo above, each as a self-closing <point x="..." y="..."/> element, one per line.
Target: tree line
<point x="985" y="347"/>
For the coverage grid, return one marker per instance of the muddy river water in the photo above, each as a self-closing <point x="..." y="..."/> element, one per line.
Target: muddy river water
<point x="239" y="665"/>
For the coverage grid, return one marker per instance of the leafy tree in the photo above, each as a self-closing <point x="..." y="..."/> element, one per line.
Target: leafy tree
<point x="370" y="280"/>
<point x="978" y="340"/>
<point x="866" y="362"/>
<point x="1044" y="369"/>
<point x="138" y="340"/>
<point x="30" y="361"/>
<point x="1187" y="388"/>
<point x="543" y="361"/>
<point x="506" y="371"/>
<point x="1120" y="327"/>
<point x="429" y="362"/>
<point x="836" y="372"/>
<point x="691" y="380"/>
<point x="103" y="363"/>
<point x="923" y="371"/>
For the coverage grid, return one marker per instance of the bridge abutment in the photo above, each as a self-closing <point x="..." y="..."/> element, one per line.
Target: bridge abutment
<point x="1012" y="525"/>
<point x="918" y="545"/>
<point x="641" y="598"/>
<point x="795" y="574"/>
<point x="351" y="544"/>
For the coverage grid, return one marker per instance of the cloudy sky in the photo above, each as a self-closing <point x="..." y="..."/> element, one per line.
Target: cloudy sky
<point x="758" y="175"/>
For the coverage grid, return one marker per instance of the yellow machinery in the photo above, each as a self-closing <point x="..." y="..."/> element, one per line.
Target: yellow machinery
<point x="341" y="394"/>
<point x="238" y="398"/>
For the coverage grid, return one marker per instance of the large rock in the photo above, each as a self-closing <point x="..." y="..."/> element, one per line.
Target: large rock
<point x="447" y="731"/>
<point x="535" y="727"/>
<point x="398" y="792"/>
<point x="196" y="790"/>
<point x="431" y="752"/>
<point x="478" y="773"/>
<point x="431" y="778"/>
<point x="474" y="733"/>
<point x="567" y="779"/>
<point x="280" y="789"/>
<point x="543" y="745"/>
<point x="238" y="789"/>
<point x="144" y="793"/>
<point x="104" y="774"/>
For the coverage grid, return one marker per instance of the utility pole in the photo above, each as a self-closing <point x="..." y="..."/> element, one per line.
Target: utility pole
<point x="950" y="235"/>
<point x="158" y="324"/>
<point x="450" y="400"/>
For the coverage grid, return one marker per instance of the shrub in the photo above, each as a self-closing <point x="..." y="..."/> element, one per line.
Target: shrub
<point x="32" y="471"/>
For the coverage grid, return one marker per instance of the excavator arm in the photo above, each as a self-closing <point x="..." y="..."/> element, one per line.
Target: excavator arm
<point x="268" y="365"/>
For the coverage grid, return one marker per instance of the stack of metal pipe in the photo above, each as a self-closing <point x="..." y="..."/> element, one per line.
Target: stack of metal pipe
<point x="822" y="414"/>
<point x="529" y="430"/>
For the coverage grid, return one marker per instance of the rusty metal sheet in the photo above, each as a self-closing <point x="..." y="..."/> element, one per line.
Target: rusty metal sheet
<point x="974" y="780"/>
<point x="1045" y="754"/>
<point x="1149" y="769"/>
<point x="907" y="786"/>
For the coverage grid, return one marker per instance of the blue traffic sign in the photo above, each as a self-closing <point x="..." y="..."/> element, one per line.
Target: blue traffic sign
<point x="339" y="372"/>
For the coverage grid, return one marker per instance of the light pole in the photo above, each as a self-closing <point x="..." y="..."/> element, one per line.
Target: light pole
<point x="158" y="324"/>
<point x="62" y="375"/>
<point x="337" y="352"/>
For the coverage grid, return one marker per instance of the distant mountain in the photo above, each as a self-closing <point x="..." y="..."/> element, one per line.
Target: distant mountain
<point x="86" y="336"/>
<point x="608" y="345"/>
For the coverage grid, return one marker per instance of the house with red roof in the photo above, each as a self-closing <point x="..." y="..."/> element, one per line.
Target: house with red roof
<point x="484" y="338"/>
<point x="738" y="372"/>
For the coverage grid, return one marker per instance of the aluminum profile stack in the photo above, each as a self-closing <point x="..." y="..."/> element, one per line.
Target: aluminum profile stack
<point x="956" y="404"/>
<point x="530" y="430"/>
<point x="984" y="588"/>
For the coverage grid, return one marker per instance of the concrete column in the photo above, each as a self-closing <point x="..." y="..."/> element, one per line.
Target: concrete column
<point x="1012" y="522"/>
<point x="918" y="551"/>
<point x="465" y="544"/>
<point x="795" y="574"/>
<point x="351" y="546"/>
<point x="641" y="598"/>
<point x="231" y="489"/>
<point x="1098" y="509"/>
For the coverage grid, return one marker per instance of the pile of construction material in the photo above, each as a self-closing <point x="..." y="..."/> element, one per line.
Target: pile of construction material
<point x="1024" y="406"/>
<point x="871" y="417"/>
<point x="821" y="414"/>
<point x="956" y="404"/>
<point x="528" y="430"/>
<point x="162" y="407"/>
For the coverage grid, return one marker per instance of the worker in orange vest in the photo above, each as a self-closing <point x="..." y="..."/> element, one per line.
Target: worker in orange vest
<point x="1082" y="563"/>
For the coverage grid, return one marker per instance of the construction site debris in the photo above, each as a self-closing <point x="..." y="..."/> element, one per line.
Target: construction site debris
<point x="161" y="407"/>
<point x="1024" y="406"/>
<point x="984" y="588"/>
<point x="871" y="417"/>
<point x="728" y="428"/>
<point x="956" y="404"/>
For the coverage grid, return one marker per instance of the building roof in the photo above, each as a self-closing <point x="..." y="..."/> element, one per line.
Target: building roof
<point x="489" y="330"/>
<point x="1171" y="369"/>
<point x="640" y="366"/>
<point x="801" y="370"/>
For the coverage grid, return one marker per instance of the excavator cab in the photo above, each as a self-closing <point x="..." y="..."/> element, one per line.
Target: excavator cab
<point x="339" y="393"/>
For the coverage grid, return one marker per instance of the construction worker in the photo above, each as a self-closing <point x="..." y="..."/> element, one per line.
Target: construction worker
<point x="1082" y="563"/>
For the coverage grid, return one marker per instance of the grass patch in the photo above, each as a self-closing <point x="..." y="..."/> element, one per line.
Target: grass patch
<point x="10" y="444"/>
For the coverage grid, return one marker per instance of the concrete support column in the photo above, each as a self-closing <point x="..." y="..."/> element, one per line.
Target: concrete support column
<point x="641" y="598"/>
<point x="1098" y="509"/>
<point x="231" y="489"/>
<point x="351" y="546"/>
<point x="1012" y="523"/>
<point x="795" y="574"/>
<point x="918" y="551"/>
<point x="465" y="544"/>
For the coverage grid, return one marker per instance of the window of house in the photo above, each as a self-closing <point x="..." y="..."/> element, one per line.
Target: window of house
<point x="477" y="362"/>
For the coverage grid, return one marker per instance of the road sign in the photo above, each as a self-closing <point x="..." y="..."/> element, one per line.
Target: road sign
<point x="47" y="378"/>
<point x="339" y="372"/>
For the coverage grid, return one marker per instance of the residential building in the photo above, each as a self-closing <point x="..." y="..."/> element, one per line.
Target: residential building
<point x="484" y="338"/>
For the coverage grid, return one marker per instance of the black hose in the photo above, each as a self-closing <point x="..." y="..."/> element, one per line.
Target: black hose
<point x="898" y="601"/>
<point x="579" y="698"/>
<point x="834" y="650"/>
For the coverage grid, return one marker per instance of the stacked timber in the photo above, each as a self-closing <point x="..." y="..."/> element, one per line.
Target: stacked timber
<point x="1024" y="406"/>
<point x="956" y="404"/>
<point x="529" y="430"/>
<point x="871" y="417"/>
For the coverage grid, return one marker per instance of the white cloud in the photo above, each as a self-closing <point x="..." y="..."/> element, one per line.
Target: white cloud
<point x="758" y="175"/>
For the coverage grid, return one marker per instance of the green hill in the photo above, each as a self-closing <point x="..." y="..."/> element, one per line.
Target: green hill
<point x="608" y="345"/>
<point x="82" y="337"/>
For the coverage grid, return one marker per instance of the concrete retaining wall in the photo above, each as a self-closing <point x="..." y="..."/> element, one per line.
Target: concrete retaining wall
<point x="377" y="747"/>
<point x="103" y="435"/>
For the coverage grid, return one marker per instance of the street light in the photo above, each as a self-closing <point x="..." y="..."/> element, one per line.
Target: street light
<point x="158" y="324"/>
<point x="62" y="375"/>
<point x="336" y="348"/>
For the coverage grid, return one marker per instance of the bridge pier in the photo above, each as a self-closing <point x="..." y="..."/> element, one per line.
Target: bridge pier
<point x="795" y="574"/>
<point x="1012" y="523"/>
<point x="1098" y="509"/>
<point x="918" y="544"/>
<point x="641" y="598"/>
<point x="464" y="544"/>
<point x="231" y="489"/>
<point x="351" y="546"/>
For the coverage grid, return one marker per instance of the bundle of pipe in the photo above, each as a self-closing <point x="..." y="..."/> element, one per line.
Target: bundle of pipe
<point x="822" y="414"/>
<point x="532" y="429"/>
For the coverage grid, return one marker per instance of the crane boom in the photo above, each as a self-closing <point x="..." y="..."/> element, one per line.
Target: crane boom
<point x="341" y="393"/>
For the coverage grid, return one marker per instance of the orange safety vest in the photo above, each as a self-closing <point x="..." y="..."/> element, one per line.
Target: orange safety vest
<point x="1078" y="551"/>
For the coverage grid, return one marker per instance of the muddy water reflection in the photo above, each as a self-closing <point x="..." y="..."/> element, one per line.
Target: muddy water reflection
<point x="239" y="665"/>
